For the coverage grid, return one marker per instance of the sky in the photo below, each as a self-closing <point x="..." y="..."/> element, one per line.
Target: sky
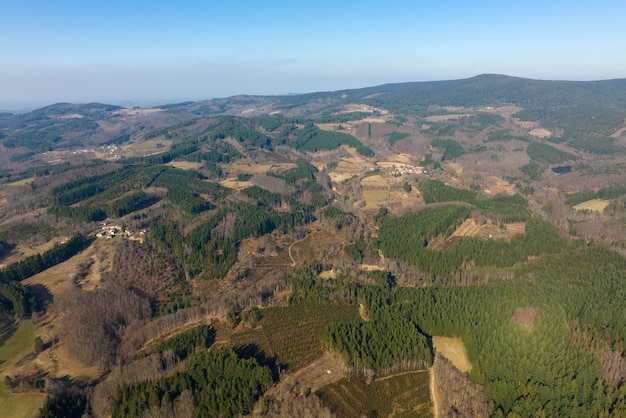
<point x="166" y="51"/>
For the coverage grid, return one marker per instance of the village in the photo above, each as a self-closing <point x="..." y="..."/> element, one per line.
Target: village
<point x="110" y="231"/>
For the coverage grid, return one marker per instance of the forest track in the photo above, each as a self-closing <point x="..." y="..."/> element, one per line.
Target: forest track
<point x="293" y="261"/>
<point x="434" y="396"/>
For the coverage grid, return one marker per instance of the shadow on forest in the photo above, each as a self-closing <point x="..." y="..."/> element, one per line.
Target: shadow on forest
<point x="254" y="351"/>
<point x="42" y="295"/>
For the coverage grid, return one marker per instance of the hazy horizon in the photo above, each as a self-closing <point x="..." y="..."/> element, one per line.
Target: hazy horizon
<point x="158" y="52"/>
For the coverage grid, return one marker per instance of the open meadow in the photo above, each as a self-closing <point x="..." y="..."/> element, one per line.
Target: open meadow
<point x="596" y="205"/>
<point x="15" y="345"/>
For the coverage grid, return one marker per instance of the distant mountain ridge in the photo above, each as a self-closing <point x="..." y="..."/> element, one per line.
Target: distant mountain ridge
<point x="579" y="109"/>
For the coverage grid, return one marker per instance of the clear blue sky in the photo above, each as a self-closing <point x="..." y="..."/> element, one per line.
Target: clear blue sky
<point x="111" y="51"/>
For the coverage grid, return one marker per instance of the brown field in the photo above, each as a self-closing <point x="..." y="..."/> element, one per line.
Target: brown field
<point x="246" y="168"/>
<point x="137" y="112"/>
<point x="186" y="165"/>
<point x="374" y="120"/>
<point x="151" y="146"/>
<point x="597" y="205"/>
<point x="454" y="350"/>
<point x="370" y="267"/>
<point x="374" y="197"/>
<point x="401" y="158"/>
<point x="59" y="278"/>
<point x="345" y="170"/>
<point x="456" y="167"/>
<point x="405" y="199"/>
<point x="284" y="166"/>
<point x="58" y="362"/>
<point x="399" y="166"/>
<point x="356" y="107"/>
<point x="470" y="228"/>
<point x="23" y="182"/>
<point x="233" y="183"/>
<point x="14" y="347"/>
<point x="443" y="118"/>
<point x="22" y="252"/>
<point x="497" y="185"/>
<point x="310" y="248"/>
<point x="540" y="133"/>
<point x="323" y="371"/>
<point x="328" y="274"/>
<point x="526" y="316"/>
<point x="374" y="181"/>
<point x="347" y="126"/>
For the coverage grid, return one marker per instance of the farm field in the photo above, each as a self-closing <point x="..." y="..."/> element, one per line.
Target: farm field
<point x="596" y="205"/>
<point x="247" y="168"/>
<point x="471" y="228"/>
<point x="454" y="350"/>
<point x="14" y="345"/>
<point x="374" y="181"/>
<point x="345" y="170"/>
<point x="233" y="183"/>
<point x="23" y="182"/>
<point x="186" y="165"/>
<point x="374" y="197"/>
<point x="22" y="252"/>
<point x="309" y="249"/>
<point x="151" y="146"/>
<point x="405" y="394"/>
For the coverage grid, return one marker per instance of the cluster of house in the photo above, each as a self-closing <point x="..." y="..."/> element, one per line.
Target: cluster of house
<point x="407" y="169"/>
<point x="109" y="231"/>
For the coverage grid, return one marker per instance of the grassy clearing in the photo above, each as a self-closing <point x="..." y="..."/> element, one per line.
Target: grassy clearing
<point x="233" y="183"/>
<point x="328" y="274"/>
<point x="374" y="181"/>
<point x="334" y="126"/>
<point x="291" y="333"/>
<point x="375" y="197"/>
<point x="186" y="165"/>
<point x="309" y="250"/>
<point x="597" y="205"/>
<point x="345" y="170"/>
<point x="405" y="395"/>
<point x="245" y="168"/>
<point x="59" y="278"/>
<point x="23" y="182"/>
<point x="470" y="228"/>
<point x="148" y="147"/>
<point x="13" y="345"/>
<point x="454" y="350"/>
<point x="22" y="252"/>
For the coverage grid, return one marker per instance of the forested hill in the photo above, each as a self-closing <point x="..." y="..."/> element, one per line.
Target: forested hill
<point x="578" y="107"/>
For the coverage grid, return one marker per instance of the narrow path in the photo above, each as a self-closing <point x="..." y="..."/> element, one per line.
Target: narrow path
<point x="433" y="392"/>
<point x="293" y="261"/>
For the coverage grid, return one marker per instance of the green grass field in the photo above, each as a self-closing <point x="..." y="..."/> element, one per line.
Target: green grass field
<point x="402" y="395"/>
<point x="292" y="333"/>
<point x="13" y="345"/>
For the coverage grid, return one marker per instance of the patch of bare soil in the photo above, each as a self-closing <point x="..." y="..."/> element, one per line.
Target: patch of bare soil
<point x="363" y="312"/>
<point x="454" y="350"/>
<point x="322" y="372"/>
<point x="526" y="316"/>
<point x="58" y="362"/>
<point x="496" y="185"/>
